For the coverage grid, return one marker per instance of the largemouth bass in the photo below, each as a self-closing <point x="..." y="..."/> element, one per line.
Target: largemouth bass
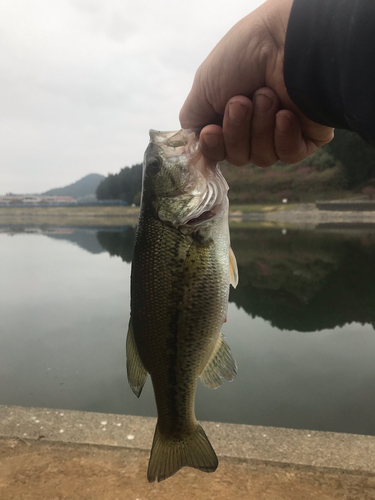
<point x="181" y="270"/>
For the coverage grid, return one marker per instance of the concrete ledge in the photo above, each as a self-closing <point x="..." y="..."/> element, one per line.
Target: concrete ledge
<point x="347" y="452"/>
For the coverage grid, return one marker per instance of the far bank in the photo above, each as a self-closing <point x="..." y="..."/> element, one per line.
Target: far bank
<point x="306" y="214"/>
<point x="67" y="216"/>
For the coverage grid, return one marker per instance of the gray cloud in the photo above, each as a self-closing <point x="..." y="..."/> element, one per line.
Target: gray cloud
<point x="82" y="81"/>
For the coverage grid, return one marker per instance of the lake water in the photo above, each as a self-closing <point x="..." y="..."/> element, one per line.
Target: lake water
<point x="300" y="325"/>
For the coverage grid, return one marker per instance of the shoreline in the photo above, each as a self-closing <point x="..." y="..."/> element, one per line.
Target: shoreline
<point x="117" y="216"/>
<point x="302" y="215"/>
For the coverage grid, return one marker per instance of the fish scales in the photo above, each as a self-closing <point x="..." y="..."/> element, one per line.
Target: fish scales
<point x="183" y="289"/>
<point x="179" y="296"/>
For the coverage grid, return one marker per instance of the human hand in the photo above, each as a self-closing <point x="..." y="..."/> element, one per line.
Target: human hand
<point x="248" y="63"/>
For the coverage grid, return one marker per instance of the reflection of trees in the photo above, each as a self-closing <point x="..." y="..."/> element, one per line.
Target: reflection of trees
<point x="305" y="280"/>
<point x="119" y="243"/>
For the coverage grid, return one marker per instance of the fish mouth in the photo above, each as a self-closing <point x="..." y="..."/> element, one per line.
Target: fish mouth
<point x="175" y="143"/>
<point x="211" y="213"/>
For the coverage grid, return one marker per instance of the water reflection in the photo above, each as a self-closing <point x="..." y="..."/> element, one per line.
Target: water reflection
<point x="118" y="243"/>
<point x="297" y="280"/>
<point x="306" y="280"/>
<point x="64" y="308"/>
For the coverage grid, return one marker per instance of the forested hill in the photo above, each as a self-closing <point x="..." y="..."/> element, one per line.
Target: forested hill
<point x="346" y="164"/>
<point x="83" y="188"/>
<point x="126" y="185"/>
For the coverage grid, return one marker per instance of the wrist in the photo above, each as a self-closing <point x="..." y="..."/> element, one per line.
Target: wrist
<point x="275" y="16"/>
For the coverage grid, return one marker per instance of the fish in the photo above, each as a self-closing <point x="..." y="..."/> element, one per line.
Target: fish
<point x="182" y="268"/>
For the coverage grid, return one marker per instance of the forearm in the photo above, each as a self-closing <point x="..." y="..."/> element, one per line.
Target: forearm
<point x="329" y="65"/>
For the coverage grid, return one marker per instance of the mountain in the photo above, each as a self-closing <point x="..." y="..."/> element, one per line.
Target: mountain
<point x="83" y="188"/>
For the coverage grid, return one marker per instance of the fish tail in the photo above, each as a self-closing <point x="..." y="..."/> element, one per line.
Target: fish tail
<point x="168" y="456"/>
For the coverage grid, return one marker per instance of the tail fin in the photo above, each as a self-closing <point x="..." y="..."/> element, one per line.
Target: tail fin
<point x="167" y="456"/>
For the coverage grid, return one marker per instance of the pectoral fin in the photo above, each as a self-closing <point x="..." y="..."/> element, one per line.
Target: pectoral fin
<point x="221" y="365"/>
<point x="233" y="270"/>
<point x="137" y="373"/>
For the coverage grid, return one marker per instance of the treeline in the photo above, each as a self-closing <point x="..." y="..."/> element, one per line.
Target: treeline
<point x="355" y="155"/>
<point x="347" y="163"/>
<point x="344" y="165"/>
<point x="126" y="185"/>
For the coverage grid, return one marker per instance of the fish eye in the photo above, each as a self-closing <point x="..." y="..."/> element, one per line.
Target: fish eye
<point x="153" y="167"/>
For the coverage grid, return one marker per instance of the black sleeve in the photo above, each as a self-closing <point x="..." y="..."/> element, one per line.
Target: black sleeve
<point x="329" y="65"/>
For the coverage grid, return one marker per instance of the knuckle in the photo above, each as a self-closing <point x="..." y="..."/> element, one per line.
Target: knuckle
<point x="286" y="150"/>
<point x="287" y="153"/>
<point x="290" y="157"/>
<point x="263" y="161"/>
<point x="237" y="161"/>
<point x="264" y="164"/>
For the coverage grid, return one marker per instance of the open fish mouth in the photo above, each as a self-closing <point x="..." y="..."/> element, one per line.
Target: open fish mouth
<point x="176" y="143"/>
<point x="210" y="214"/>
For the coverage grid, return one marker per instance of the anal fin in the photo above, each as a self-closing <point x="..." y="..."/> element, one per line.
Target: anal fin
<point x="221" y="365"/>
<point x="137" y="373"/>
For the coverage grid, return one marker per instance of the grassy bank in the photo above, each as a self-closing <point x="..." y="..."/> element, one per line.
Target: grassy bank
<point x="103" y="216"/>
<point x="243" y="209"/>
<point x="119" y="211"/>
<point x="67" y="216"/>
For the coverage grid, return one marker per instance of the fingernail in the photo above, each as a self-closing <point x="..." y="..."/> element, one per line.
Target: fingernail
<point x="283" y="123"/>
<point x="237" y="112"/>
<point x="263" y="102"/>
<point x="211" y="140"/>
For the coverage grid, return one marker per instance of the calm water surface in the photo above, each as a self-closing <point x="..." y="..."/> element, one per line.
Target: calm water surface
<point x="300" y="326"/>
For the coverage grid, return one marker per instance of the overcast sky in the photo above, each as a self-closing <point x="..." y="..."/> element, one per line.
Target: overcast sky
<point x="82" y="81"/>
